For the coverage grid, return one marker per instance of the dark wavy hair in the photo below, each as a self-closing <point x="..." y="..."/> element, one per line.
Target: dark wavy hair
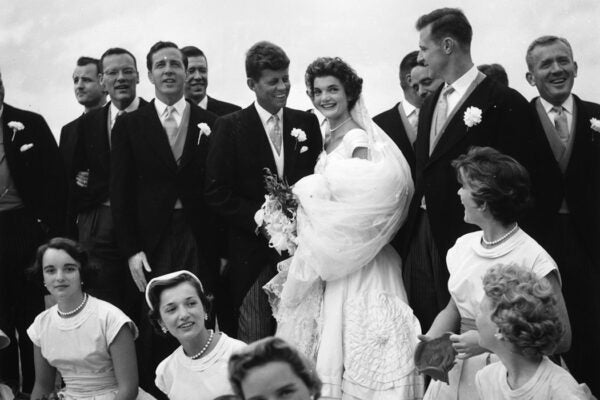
<point x="156" y="47"/>
<point x="334" y="66"/>
<point x="524" y="308"/>
<point x="267" y="350"/>
<point x="498" y="180"/>
<point x="88" y="272"/>
<point x="160" y="286"/>
<point x="265" y="55"/>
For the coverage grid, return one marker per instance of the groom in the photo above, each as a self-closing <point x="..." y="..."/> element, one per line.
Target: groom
<point x="244" y="143"/>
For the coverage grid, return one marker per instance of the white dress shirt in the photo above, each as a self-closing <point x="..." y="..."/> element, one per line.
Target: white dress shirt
<point x="161" y="108"/>
<point x="203" y="103"/>
<point x="568" y="109"/>
<point x="268" y="125"/>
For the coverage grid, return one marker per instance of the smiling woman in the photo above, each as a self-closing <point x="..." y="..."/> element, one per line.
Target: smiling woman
<point x="197" y="370"/>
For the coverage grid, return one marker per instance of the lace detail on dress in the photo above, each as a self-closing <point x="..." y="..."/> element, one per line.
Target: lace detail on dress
<point x="299" y="324"/>
<point x="379" y="340"/>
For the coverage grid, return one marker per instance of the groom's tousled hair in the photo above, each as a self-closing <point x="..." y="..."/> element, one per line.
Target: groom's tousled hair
<point x="265" y="55"/>
<point x="338" y="68"/>
<point x="448" y="22"/>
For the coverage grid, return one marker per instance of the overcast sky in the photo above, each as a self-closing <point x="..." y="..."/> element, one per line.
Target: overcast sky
<point x="40" y="41"/>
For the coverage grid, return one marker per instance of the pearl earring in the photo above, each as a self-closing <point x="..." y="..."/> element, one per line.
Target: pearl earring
<point x="498" y="336"/>
<point x="164" y="329"/>
<point x="205" y="317"/>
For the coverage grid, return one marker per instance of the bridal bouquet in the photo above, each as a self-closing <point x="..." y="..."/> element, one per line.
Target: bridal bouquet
<point x="277" y="215"/>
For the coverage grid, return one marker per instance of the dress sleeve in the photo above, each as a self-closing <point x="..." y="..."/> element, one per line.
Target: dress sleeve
<point x="354" y="139"/>
<point x="115" y="320"/>
<point x="159" y="381"/>
<point x="34" y="331"/>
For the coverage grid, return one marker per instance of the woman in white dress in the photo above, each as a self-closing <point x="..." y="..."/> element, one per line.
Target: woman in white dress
<point x="89" y="341"/>
<point x="341" y="299"/>
<point x="494" y="192"/>
<point x="197" y="370"/>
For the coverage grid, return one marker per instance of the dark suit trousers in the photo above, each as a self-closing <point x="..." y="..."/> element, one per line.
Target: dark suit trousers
<point x="20" y="298"/>
<point x="425" y="274"/>
<point x="176" y="250"/>
<point x="114" y="283"/>
<point x="580" y="286"/>
<point x="256" y="317"/>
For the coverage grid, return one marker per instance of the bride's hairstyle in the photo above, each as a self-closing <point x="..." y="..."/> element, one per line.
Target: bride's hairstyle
<point x="336" y="67"/>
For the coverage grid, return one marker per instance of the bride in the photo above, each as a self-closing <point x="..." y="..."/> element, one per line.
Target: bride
<point x="340" y="298"/>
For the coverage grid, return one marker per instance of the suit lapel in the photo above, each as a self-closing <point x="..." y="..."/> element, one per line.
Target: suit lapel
<point x="9" y="146"/>
<point x="425" y="121"/>
<point x="580" y="141"/>
<point x="99" y="137"/>
<point x="155" y="134"/>
<point x="191" y="140"/>
<point x="455" y="128"/>
<point x="290" y="144"/>
<point x="254" y="128"/>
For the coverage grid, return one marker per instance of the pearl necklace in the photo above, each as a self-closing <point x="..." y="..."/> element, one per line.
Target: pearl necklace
<point x="199" y="354"/>
<point x="76" y="310"/>
<point x="500" y="239"/>
<point x="337" y="127"/>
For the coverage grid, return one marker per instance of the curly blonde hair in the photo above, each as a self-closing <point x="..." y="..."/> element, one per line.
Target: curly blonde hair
<point x="524" y="309"/>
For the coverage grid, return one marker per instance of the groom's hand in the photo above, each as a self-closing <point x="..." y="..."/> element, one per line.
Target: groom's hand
<point x="137" y="264"/>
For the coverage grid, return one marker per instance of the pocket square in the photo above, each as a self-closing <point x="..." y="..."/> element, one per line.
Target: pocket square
<point x="26" y="147"/>
<point x="303" y="149"/>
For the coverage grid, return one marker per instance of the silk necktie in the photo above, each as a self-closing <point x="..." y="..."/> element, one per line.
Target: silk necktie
<point x="275" y="133"/>
<point x="561" y="124"/>
<point x="170" y="124"/>
<point x="119" y="115"/>
<point x="442" y="109"/>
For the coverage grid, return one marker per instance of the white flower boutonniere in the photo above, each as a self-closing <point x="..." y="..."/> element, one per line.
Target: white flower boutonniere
<point x="204" y="130"/>
<point x="26" y="147"/>
<point x="299" y="134"/>
<point x="303" y="149"/>
<point x="16" y="126"/>
<point x="472" y="116"/>
<point x="595" y="125"/>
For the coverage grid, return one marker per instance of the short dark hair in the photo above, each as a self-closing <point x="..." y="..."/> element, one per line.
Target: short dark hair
<point x="497" y="180"/>
<point x="524" y="308"/>
<point x="545" y="41"/>
<point x="163" y="45"/>
<point x="192" y="51"/>
<point x="158" y="287"/>
<point x="116" y="51"/>
<point x="87" y="272"/>
<point x="265" y="55"/>
<point x="335" y="66"/>
<point x="267" y="350"/>
<point x="406" y="65"/>
<point x="448" y="22"/>
<point x="495" y="72"/>
<point x="83" y="61"/>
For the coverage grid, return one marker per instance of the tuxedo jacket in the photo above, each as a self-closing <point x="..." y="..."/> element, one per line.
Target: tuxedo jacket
<point x="219" y="107"/>
<point x="146" y="180"/>
<point x="93" y="154"/>
<point x="67" y="146"/>
<point x="235" y="187"/>
<point x="37" y="172"/>
<point x="391" y="123"/>
<point x="580" y="184"/>
<point x="506" y="125"/>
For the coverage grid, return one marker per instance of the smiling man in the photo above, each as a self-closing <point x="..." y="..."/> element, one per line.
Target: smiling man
<point x="156" y="189"/>
<point x="119" y="76"/>
<point x="244" y="144"/>
<point x="435" y="218"/>
<point x="572" y="226"/>
<point x="197" y="82"/>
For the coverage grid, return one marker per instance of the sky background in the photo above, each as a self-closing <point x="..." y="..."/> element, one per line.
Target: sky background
<point x="40" y="41"/>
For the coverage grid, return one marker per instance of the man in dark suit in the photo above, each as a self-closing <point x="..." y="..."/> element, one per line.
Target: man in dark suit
<point x="422" y="81"/>
<point x="197" y="82"/>
<point x="400" y="122"/>
<point x="435" y="218"/>
<point x="157" y="193"/>
<point x="32" y="201"/>
<point x="244" y="144"/>
<point x="95" y="223"/>
<point x="571" y="223"/>
<point x="91" y="95"/>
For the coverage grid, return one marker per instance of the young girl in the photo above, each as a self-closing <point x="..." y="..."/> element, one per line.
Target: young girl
<point x="519" y="322"/>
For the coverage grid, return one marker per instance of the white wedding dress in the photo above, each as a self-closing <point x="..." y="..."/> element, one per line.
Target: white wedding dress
<point x="340" y="299"/>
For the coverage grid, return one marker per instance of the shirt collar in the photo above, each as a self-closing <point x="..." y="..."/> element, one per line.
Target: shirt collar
<point x="265" y="115"/>
<point x="203" y="103"/>
<point x="461" y="85"/>
<point x="161" y="107"/>
<point x="131" y="107"/>
<point x="567" y="105"/>
<point x="408" y="108"/>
